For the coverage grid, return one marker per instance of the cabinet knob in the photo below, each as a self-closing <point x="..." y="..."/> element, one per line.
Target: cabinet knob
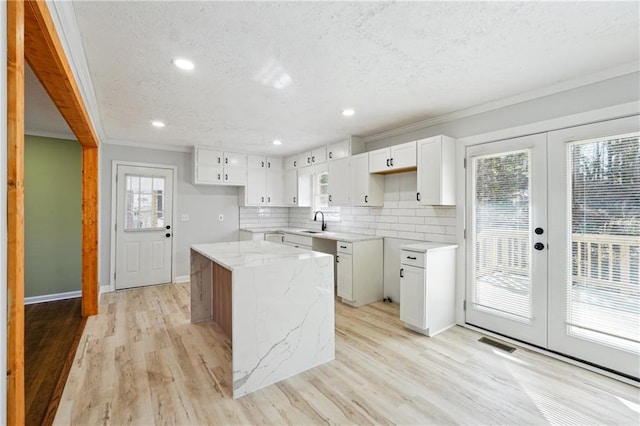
<point x="308" y="160"/>
<point x="268" y="199"/>
<point x="226" y="177"/>
<point x="313" y="159"/>
<point x="337" y="259"/>
<point x="268" y="164"/>
<point x="391" y="161"/>
<point x="401" y="272"/>
<point x="330" y="198"/>
<point x="295" y="163"/>
<point x="366" y="198"/>
<point x="218" y="176"/>
<point x="330" y="154"/>
<point x="418" y="196"/>
<point x="218" y="160"/>
<point x="411" y="257"/>
<point x="294" y="200"/>
<point x="226" y="161"/>
<point x="262" y="199"/>
<point x="387" y="162"/>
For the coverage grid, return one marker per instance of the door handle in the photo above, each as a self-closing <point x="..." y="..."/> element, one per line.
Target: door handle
<point x="294" y="200"/>
<point x="366" y="198"/>
<point x="295" y="163"/>
<point x="262" y="199"/>
<point x="218" y="160"/>
<point x="167" y="235"/>
<point x="411" y="257"/>
<point x="226" y="161"/>
<point x="418" y="196"/>
<point x="387" y="162"/>
<point x="329" y="198"/>
<point x="401" y="272"/>
<point x="344" y="247"/>
<point x="308" y="160"/>
<point x="262" y="164"/>
<point x="218" y="176"/>
<point x="538" y="246"/>
<point x="268" y="164"/>
<point x="268" y="199"/>
<point x="391" y="161"/>
<point x="330" y="154"/>
<point x="313" y="159"/>
<point x="226" y="177"/>
<point x="337" y="259"/>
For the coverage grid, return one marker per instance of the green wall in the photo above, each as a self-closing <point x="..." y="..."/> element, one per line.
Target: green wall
<point x="53" y="216"/>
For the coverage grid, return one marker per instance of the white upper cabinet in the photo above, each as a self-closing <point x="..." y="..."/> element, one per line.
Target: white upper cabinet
<point x="366" y="189"/>
<point x="265" y="182"/>
<point x="291" y="162"/>
<point x="214" y="167"/>
<point x="339" y="182"/>
<point x="290" y="187"/>
<point x="315" y="156"/>
<point x="397" y="158"/>
<point x="436" y="171"/>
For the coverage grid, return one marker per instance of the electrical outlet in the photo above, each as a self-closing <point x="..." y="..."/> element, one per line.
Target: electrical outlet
<point x="220" y="217"/>
<point x="184" y="217"/>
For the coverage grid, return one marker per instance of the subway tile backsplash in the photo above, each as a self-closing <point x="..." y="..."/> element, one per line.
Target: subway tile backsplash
<point x="400" y="217"/>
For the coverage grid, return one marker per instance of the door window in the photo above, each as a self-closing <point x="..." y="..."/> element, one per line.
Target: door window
<point x="144" y="205"/>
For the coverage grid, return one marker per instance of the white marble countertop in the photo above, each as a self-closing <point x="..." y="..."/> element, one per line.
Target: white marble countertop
<point x="242" y="254"/>
<point x="426" y="246"/>
<point x="327" y="235"/>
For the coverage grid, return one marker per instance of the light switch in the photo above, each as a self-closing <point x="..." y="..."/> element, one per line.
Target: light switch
<point x="184" y="217"/>
<point x="220" y="217"/>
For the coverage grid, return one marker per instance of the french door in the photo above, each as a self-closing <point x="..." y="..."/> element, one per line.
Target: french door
<point x="572" y="286"/>
<point x="506" y="199"/>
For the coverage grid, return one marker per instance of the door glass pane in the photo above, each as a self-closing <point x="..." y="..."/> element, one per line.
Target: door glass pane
<point x="603" y="277"/>
<point x="144" y="207"/>
<point x="502" y="269"/>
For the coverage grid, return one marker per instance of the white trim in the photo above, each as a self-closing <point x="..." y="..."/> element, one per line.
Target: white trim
<point x="182" y="279"/>
<point x="563" y="86"/>
<point x="603" y="114"/>
<point x="51" y="297"/>
<point x="105" y="289"/>
<point x="54" y="135"/>
<point x="556" y="356"/>
<point x="64" y="19"/>
<point x="133" y="144"/>
<point x="114" y="173"/>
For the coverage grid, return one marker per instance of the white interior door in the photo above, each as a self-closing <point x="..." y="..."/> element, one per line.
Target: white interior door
<point x="144" y="227"/>
<point x="506" y="257"/>
<point x="594" y="223"/>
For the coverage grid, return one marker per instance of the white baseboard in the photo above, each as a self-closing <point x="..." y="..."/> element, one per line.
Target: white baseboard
<point x="105" y="289"/>
<point x="52" y="297"/>
<point x="183" y="279"/>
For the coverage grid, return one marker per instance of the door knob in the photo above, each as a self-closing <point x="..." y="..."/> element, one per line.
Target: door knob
<point x="538" y="246"/>
<point x="168" y="226"/>
<point x="539" y="231"/>
<point x="167" y="235"/>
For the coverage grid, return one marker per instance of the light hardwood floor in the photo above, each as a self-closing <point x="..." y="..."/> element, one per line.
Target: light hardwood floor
<point x="142" y="362"/>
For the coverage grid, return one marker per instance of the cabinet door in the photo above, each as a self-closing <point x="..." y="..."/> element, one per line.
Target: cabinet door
<point x="256" y="186"/>
<point x="339" y="177"/>
<point x="232" y="159"/>
<point x="275" y="163"/>
<point x="208" y="174"/>
<point x="366" y="189"/>
<point x="235" y="175"/>
<point x="338" y="150"/>
<point x="304" y="159"/>
<point x="291" y="162"/>
<point x="436" y="171"/>
<point x="379" y="160"/>
<point x="319" y="155"/>
<point x="209" y="157"/>
<point x="275" y="187"/>
<point x="403" y="156"/>
<point x="413" y="298"/>
<point x="345" y="276"/>
<point x="256" y="162"/>
<point x="291" y="187"/>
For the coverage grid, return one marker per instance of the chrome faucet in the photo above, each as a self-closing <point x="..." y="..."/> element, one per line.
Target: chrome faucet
<point x="315" y="218"/>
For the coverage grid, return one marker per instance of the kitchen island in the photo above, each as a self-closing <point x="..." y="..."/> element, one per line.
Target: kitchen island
<point x="275" y="303"/>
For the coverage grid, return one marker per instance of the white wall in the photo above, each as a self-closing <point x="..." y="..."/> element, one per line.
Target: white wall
<point x="202" y="203"/>
<point x="264" y="217"/>
<point x="3" y="208"/>
<point x="594" y="96"/>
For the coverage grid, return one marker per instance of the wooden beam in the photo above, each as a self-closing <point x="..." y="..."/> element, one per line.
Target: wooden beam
<point x="47" y="59"/>
<point x="15" y="213"/>
<point x="89" y="231"/>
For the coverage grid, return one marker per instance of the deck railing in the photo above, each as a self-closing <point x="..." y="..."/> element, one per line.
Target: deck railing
<point x="603" y="261"/>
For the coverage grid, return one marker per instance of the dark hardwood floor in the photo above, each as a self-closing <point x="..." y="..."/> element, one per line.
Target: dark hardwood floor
<point x="52" y="333"/>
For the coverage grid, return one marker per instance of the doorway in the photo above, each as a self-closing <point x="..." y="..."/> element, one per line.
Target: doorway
<point x="143" y="225"/>
<point x="553" y="253"/>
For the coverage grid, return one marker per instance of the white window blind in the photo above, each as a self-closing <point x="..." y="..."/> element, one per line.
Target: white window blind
<point x="502" y="220"/>
<point x="603" y="287"/>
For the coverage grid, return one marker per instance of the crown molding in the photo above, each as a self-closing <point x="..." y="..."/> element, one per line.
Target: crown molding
<point x="134" y="144"/>
<point x="48" y="134"/>
<point x="64" y="19"/>
<point x="603" y="75"/>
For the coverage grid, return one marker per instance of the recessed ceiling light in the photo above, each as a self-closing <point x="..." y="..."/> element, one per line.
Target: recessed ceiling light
<point x="183" y="64"/>
<point x="277" y="142"/>
<point x="348" y="112"/>
<point x="157" y="123"/>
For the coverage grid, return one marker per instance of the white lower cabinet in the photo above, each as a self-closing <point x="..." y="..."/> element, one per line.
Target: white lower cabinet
<point x="359" y="271"/>
<point x="298" y="241"/>
<point x="427" y="287"/>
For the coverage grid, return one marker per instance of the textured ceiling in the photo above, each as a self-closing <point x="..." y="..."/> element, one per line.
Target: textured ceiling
<point x="285" y="70"/>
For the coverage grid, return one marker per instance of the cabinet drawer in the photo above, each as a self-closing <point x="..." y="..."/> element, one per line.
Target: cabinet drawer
<point x="344" y="247"/>
<point x="299" y="240"/>
<point x="412" y="258"/>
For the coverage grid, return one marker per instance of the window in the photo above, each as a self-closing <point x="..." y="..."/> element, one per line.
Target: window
<point x="144" y="208"/>
<point x="320" y="198"/>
